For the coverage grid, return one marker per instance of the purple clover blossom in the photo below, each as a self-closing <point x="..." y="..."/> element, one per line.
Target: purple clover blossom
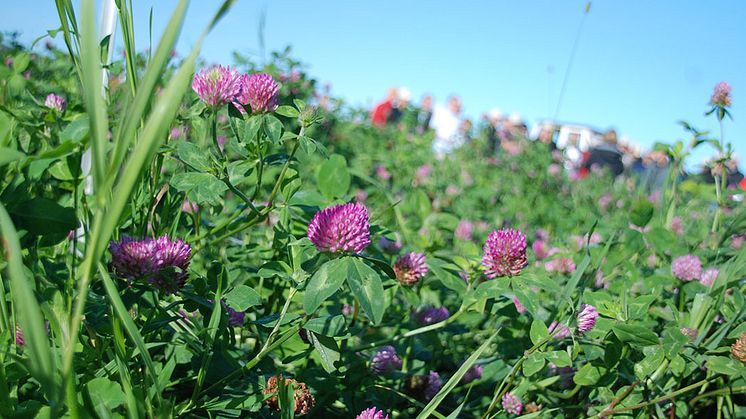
<point x="372" y="413"/>
<point x="430" y="315"/>
<point x="385" y="360"/>
<point x="20" y="340"/>
<point x="721" y="95"/>
<point x="55" y="103"/>
<point x="677" y="227"/>
<point x="162" y="262"/>
<point x="736" y="241"/>
<point x="217" y="85"/>
<point x="709" y="276"/>
<point x="258" y="91"/>
<point x="561" y="265"/>
<point x="189" y="207"/>
<point x="687" y="268"/>
<point x="541" y="249"/>
<point x="512" y="404"/>
<point x="433" y="386"/>
<point x="473" y="373"/>
<point x="235" y="318"/>
<point x="390" y="246"/>
<point x="410" y="268"/>
<point x="340" y="228"/>
<point x="559" y="330"/>
<point x="518" y="306"/>
<point x="504" y="253"/>
<point x="382" y="173"/>
<point x="587" y="318"/>
<point x="464" y="230"/>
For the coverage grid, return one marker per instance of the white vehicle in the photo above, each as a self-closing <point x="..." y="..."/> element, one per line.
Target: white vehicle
<point x="568" y="135"/>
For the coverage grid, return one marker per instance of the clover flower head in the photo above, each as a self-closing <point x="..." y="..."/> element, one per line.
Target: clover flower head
<point x="512" y="404"/>
<point x="162" y="262"/>
<point x="385" y="360"/>
<point x="587" y="318"/>
<point x="372" y="413"/>
<point x="464" y="230"/>
<point x="721" y="95"/>
<point x="258" y="91"/>
<point x="410" y="268"/>
<point x="559" y="330"/>
<point x="687" y="268"/>
<point x="217" y="85"/>
<point x="560" y="265"/>
<point x="473" y="373"/>
<point x="430" y="315"/>
<point x="709" y="276"/>
<point x="304" y="400"/>
<point x="340" y="228"/>
<point x="55" y="103"/>
<point x="504" y="253"/>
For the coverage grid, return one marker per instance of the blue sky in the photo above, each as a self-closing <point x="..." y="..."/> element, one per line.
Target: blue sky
<point x="640" y="66"/>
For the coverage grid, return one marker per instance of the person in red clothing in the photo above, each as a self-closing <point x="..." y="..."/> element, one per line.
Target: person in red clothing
<point x="380" y="113"/>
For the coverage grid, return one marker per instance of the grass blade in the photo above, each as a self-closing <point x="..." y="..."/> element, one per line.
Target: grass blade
<point x="92" y="90"/>
<point x="129" y="326"/>
<point x="451" y="384"/>
<point x="25" y="304"/>
<point x="126" y="131"/>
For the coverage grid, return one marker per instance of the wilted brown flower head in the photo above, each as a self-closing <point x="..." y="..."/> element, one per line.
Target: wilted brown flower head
<point x="304" y="400"/>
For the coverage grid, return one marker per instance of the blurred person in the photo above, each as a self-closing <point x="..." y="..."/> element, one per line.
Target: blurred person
<point x="445" y="122"/>
<point x="518" y="128"/>
<point x="655" y="171"/>
<point x="399" y="106"/>
<point x="380" y="113"/>
<point x="605" y="156"/>
<point x="492" y="120"/>
<point x="424" y="114"/>
<point x="546" y="137"/>
<point x="464" y="132"/>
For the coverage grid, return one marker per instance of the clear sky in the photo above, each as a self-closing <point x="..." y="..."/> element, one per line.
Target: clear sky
<point x="640" y="66"/>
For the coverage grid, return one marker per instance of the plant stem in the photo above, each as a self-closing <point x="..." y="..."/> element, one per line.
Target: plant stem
<point x="654" y="401"/>
<point x="718" y="392"/>
<point x="504" y="385"/>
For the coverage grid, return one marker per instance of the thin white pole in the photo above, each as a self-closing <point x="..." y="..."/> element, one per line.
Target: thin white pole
<point x="107" y="27"/>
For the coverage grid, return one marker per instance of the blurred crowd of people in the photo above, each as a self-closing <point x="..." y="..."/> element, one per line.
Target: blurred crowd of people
<point x="581" y="150"/>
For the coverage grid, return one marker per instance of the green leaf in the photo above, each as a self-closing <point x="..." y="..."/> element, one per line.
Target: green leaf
<point x="201" y="187"/>
<point x="288" y="111"/>
<point x="650" y="363"/>
<point x="327" y="325"/>
<point x="588" y="375"/>
<point x="241" y="297"/>
<point x="558" y="358"/>
<point x="251" y="128"/>
<point x="9" y="155"/>
<point x="538" y="331"/>
<point x="327" y="349"/>
<point x="193" y="156"/>
<point x="642" y="212"/>
<point x="76" y="131"/>
<point x="333" y="177"/>
<point x="366" y="285"/>
<point x="533" y="364"/>
<point x="325" y="282"/>
<point x="635" y="335"/>
<point x="105" y="394"/>
<point x="726" y="366"/>
<point x="273" y="128"/>
<point x="41" y="216"/>
<point x="5" y="128"/>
